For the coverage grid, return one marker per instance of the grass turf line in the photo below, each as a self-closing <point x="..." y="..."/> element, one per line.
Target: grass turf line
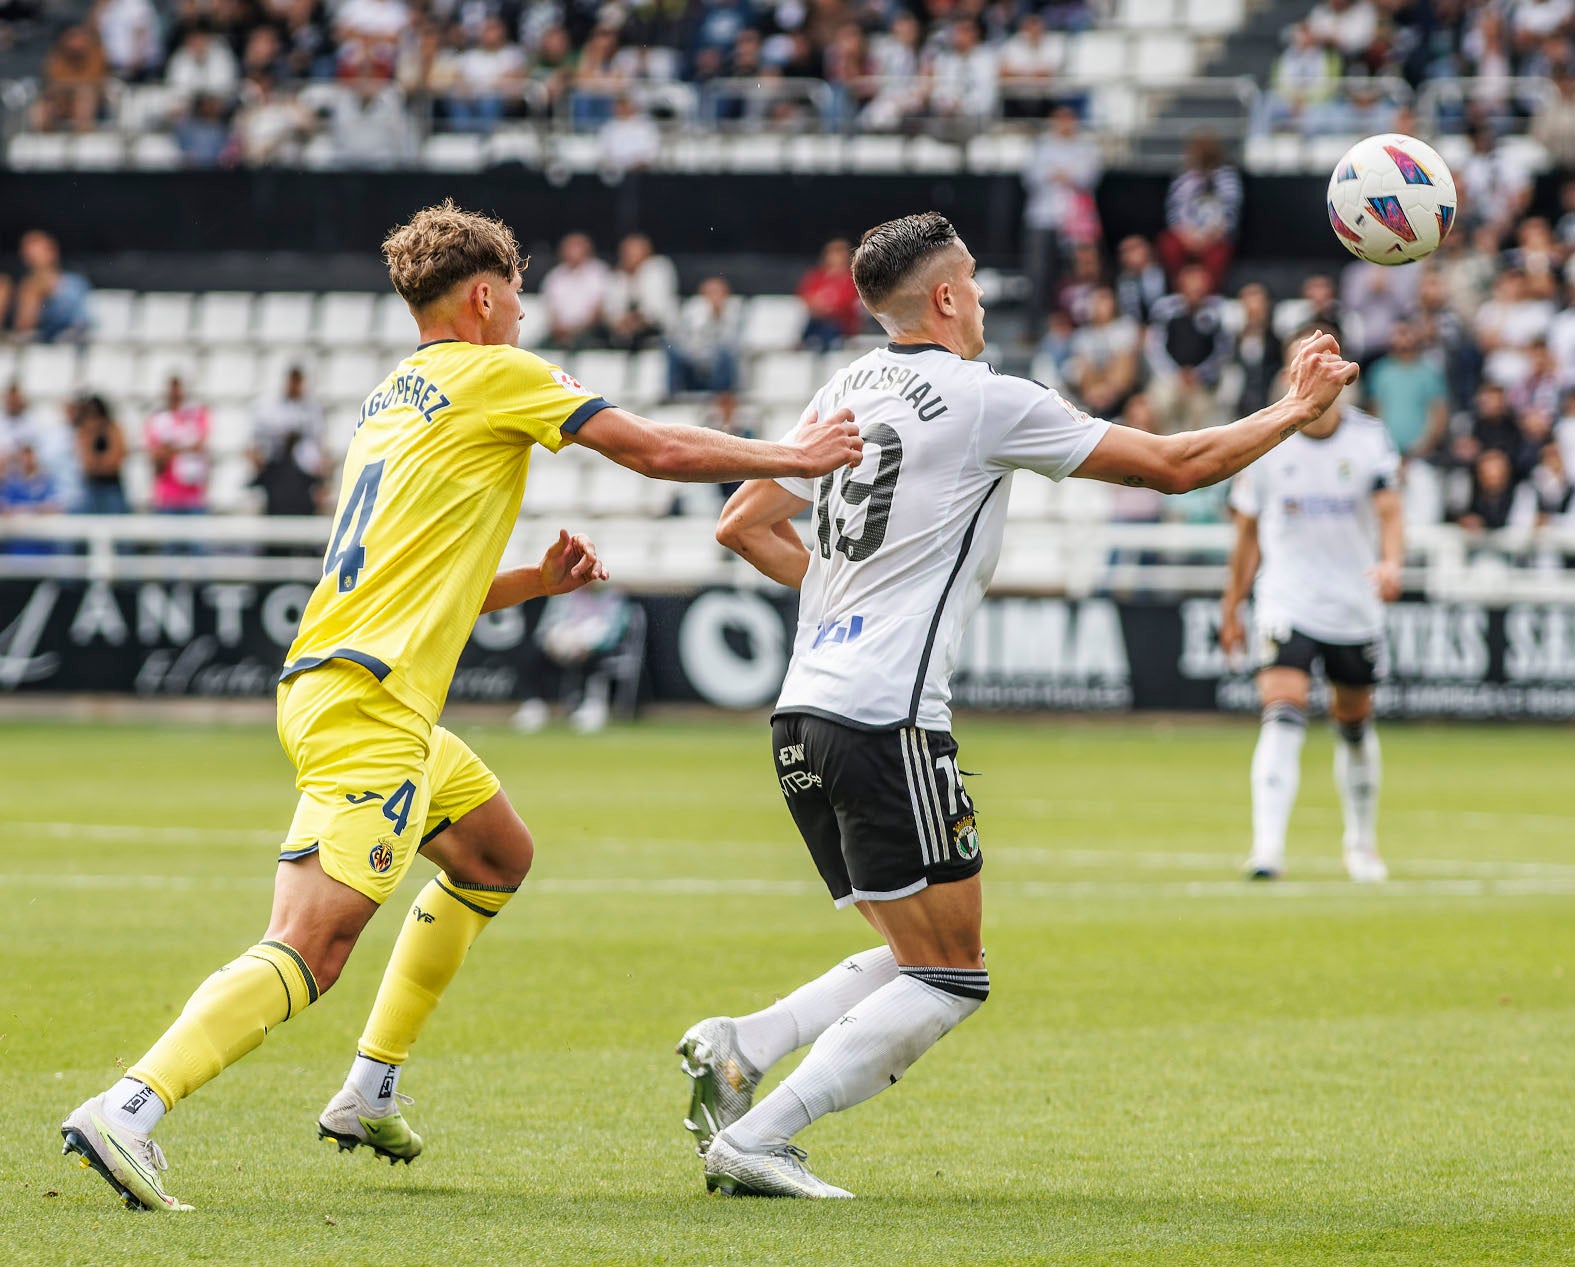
<point x="1169" y="1070"/>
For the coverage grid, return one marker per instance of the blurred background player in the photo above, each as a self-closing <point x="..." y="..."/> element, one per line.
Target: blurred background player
<point x="1319" y="527"/>
<point x="905" y="546"/>
<point x="424" y="514"/>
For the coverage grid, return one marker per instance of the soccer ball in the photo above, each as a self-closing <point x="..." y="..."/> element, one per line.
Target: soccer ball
<point x="1391" y="199"/>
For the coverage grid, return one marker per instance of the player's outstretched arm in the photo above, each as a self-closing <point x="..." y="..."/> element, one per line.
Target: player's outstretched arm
<point x="1242" y="568"/>
<point x="1180" y="463"/>
<point x="699" y="455"/>
<point x="1387" y="576"/>
<point x="756" y="525"/>
<point x="569" y="564"/>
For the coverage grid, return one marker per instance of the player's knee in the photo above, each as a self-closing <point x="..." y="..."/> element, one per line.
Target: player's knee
<point x="969" y="984"/>
<point x="324" y="951"/>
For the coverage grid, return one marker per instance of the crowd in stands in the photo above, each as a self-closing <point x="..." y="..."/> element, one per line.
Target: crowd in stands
<point x="474" y="65"/>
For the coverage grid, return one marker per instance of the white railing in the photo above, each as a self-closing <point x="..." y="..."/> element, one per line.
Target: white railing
<point x="661" y="555"/>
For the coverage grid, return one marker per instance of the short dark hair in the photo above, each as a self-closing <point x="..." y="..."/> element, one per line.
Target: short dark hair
<point x="889" y="253"/>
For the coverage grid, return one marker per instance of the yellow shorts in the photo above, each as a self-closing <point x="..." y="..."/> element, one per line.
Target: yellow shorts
<point x="377" y="781"/>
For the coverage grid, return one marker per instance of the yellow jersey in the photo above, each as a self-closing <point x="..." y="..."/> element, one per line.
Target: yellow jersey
<point x="431" y="490"/>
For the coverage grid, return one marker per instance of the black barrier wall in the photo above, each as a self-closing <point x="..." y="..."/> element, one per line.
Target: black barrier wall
<point x="729" y="649"/>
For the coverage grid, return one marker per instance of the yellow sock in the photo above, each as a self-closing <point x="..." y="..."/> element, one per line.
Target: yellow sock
<point x="444" y="920"/>
<point x="229" y="1015"/>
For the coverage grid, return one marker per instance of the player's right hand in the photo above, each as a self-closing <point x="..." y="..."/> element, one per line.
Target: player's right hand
<point x="1318" y="373"/>
<point x="829" y="444"/>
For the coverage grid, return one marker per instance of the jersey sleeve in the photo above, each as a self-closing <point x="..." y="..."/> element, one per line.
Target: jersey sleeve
<point x="1386" y="463"/>
<point x="799" y="485"/>
<point x="1245" y="498"/>
<point x="1043" y="432"/>
<point x="535" y="402"/>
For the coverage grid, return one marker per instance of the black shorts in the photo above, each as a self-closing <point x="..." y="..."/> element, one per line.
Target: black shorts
<point x="1344" y="663"/>
<point x="884" y="812"/>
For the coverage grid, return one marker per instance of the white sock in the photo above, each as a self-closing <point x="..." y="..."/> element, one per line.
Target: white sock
<point x="133" y="1105"/>
<point x="766" y="1036"/>
<point x="377" y="1080"/>
<point x="865" y="1052"/>
<point x="1358" y="770"/>
<point x="1276" y="775"/>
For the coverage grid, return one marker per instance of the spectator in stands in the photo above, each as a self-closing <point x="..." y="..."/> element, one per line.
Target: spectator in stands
<point x="1140" y="281"/>
<point x="101" y="451"/>
<point x="847" y="66"/>
<point x="1492" y="493"/>
<point x="1060" y="180"/>
<point x="641" y="299"/>
<point x="75" y="80"/>
<point x="131" y="37"/>
<point x="203" y="65"/>
<point x="17" y="425"/>
<point x="1495" y="189"/>
<point x="270" y="127"/>
<point x="369" y="127"/>
<point x="1362" y="109"/>
<point x="288" y="420"/>
<point x="1550" y="482"/>
<point x="47" y="302"/>
<point x="369" y="32"/>
<point x="1202" y="212"/>
<point x="1382" y="296"/>
<point x="1538" y="255"/>
<point x="1553" y="124"/>
<point x="896" y="56"/>
<point x="835" y="311"/>
<point x="1304" y="76"/>
<point x="1257" y="353"/>
<point x="176" y="437"/>
<point x="1492" y="426"/>
<point x="1348" y="27"/>
<point x="630" y="140"/>
<point x="1187" y="348"/>
<point x="572" y="294"/>
<point x="1029" y="61"/>
<point x="202" y="133"/>
<point x="964" y="80"/>
<point x="703" y="353"/>
<point x="1538" y="392"/>
<point x="1507" y="325"/>
<point x="27" y="489"/>
<point x="1408" y="394"/>
<point x="1106" y="359"/>
<point x="1082" y="279"/>
<point x="1321" y="300"/>
<point x="597" y="81"/>
<point x="263" y="54"/>
<point x="1052" y="362"/>
<point x="489" y="79"/>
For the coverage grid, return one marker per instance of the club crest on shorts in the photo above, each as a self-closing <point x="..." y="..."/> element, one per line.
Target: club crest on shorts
<point x="381" y="857"/>
<point x="965" y="838"/>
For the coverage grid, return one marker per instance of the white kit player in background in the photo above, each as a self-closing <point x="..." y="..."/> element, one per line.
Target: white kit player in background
<point x="1323" y="514"/>
<point x="901" y="551"/>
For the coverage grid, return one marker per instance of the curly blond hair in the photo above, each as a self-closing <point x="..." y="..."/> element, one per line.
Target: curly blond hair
<point x="440" y="246"/>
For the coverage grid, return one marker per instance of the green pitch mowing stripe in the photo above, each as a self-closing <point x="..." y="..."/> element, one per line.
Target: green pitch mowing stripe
<point x="1173" y="1067"/>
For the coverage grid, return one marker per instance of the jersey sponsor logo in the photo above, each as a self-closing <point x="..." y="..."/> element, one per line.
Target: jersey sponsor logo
<point x="381" y="857"/>
<point x="568" y="382"/>
<point x="843" y="631"/>
<point x="1319" y="507"/>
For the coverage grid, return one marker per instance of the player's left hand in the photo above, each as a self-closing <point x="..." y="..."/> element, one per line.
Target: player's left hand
<point x="1386" y="580"/>
<point x="570" y="564"/>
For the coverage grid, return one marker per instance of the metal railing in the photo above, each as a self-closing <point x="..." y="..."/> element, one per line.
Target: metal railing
<point x="1051" y="557"/>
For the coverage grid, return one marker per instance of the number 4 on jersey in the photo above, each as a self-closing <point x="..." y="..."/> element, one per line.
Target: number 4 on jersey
<point x="346" y="552"/>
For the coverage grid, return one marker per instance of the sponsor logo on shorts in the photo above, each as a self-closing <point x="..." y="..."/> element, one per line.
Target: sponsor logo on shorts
<point x="793" y="754"/>
<point x="381" y="857"/>
<point x="798" y="781"/>
<point x="363" y="798"/>
<point x="965" y="838"/>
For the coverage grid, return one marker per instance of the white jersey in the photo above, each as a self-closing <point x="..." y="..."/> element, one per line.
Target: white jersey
<point x="905" y="545"/>
<point x="1318" y="531"/>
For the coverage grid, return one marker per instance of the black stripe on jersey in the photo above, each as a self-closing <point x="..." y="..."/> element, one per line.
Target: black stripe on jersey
<point x="825" y="714"/>
<point x="908" y="349"/>
<point x="940" y="607"/>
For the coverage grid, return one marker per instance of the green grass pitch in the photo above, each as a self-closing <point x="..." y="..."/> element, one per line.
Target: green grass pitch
<point x="1175" y="1067"/>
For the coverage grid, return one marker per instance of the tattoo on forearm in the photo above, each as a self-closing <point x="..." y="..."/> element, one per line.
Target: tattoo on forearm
<point x="1133" y="481"/>
<point x="1289" y="431"/>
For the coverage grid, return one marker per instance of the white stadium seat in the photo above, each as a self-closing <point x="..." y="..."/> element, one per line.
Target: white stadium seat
<point x="346" y="319"/>
<point x="999" y="152"/>
<point x="110" y="368"/>
<point x="609" y="489"/>
<point x="602" y="372"/>
<point x="514" y="147"/>
<point x="756" y="152"/>
<point x="277" y="362"/>
<point x="231" y="429"/>
<point x="223" y="316"/>
<point x="533" y="321"/>
<point x="98" y="151"/>
<point x="351" y="375"/>
<point x="394" y="327"/>
<point x="577" y="153"/>
<point x="229" y="486"/>
<point x="1214" y="17"/>
<point x="453" y="152"/>
<point x="228" y="374"/>
<point x="163" y="317"/>
<point x="1097" y="55"/>
<point x="155" y="152"/>
<point x="815" y="153"/>
<point x="37" y="151"/>
<point x="783" y="376"/>
<point x="554" y="484"/>
<point x="113" y="312"/>
<point x="158" y="364"/>
<point x="874" y="153"/>
<point x="48" y="371"/>
<point x="1145" y="15"/>
<point x="137" y="473"/>
<point x="339" y="427"/>
<point x="646" y="382"/>
<point x="1163" y="55"/>
<point x="284" y="317"/>
<point x="774" y="322"/>
<point x="926" y="154"/>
